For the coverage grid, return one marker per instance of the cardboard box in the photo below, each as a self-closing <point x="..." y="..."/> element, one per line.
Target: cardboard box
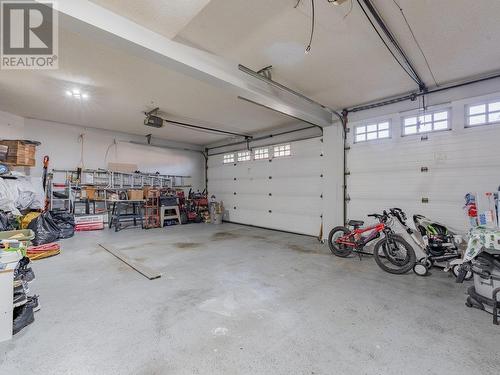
<point x="20" y="153"/>
<point x="4" y="150"/>
<point x="88" y="192"/>
<point x="135" y="195"/>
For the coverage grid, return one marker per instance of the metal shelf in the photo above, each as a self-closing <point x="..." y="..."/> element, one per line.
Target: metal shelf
<point x="104" y="181"/>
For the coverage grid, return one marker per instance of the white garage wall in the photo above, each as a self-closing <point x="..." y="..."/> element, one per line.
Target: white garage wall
<point x="61" y="142"/>
<point x="387" y="173"/>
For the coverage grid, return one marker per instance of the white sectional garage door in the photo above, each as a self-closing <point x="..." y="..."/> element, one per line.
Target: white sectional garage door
<point x="284" y="193"/>
<point x="425" y="174"/>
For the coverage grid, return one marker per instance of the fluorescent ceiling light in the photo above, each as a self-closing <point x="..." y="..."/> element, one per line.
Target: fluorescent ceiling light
<point x="77" y="94"/>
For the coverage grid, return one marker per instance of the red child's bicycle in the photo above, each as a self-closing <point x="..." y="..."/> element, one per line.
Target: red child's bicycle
<point x="392" y="253"/>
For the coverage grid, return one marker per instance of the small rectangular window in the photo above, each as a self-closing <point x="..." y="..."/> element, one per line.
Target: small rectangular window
<point x="244" y="156"/>
<point x="228" y="158"/>
<point x="427" y="122"/>
<point x="483" y="114"/>
<point x="261" y="153"/>
<point x="282" y="150"/>
<point x="370" y="132"/>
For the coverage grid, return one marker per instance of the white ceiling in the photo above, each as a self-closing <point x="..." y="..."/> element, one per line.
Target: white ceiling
<point x="348" y="65"/>
<point x="166" y="17"/>
<point x="121" y="88"/>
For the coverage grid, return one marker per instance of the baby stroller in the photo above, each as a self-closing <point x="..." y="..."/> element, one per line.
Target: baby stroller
<point x="438" y="243"/>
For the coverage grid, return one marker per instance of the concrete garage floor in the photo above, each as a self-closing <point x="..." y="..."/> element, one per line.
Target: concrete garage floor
<point x="240" y="300"/>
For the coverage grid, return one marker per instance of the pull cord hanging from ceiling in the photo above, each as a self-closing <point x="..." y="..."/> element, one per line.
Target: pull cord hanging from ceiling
<point x="313" y="23"/>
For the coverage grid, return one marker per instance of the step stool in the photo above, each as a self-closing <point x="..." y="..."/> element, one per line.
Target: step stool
<point x="172" y="209"/>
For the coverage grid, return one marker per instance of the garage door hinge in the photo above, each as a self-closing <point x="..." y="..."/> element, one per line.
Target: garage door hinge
<point x="321" y="196"/>
<point x="425" y="200"/>
<point x="347" y="198"/>
<point x="347" y="148"/>
<point x="347" y="173"/>
<point x="424" y="169"/>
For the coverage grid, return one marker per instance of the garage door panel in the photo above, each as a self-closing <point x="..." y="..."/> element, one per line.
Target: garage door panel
<point x="304" y="186"/>
<point x="284" y="194"/>
<point x="220" y="174"/>
<point x="441" y="183"/>
<point x="388" y="173"/>
<point x="221" y="185"/>
<point x="296" y="205"/>
<point x="280" y="221"/>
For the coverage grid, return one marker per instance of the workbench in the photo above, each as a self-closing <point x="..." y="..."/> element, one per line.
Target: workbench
<point x="119" y="213"/>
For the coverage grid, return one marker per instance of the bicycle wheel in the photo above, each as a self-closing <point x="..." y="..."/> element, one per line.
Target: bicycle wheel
<point x="394" y="255"/>
<point x="338" y="249"/>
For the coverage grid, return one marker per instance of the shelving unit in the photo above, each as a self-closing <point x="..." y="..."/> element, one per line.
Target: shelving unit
<point x="64" y="204"/>
<point x="104" y="183"/>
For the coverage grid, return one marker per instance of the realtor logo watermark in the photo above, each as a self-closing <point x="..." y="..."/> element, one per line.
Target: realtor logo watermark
<point x="29" y="35"/>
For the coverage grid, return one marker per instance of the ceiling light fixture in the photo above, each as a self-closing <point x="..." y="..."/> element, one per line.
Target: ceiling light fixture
<point x="77" y="94"/>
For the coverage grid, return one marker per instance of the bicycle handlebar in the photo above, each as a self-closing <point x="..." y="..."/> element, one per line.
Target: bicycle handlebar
<point x="399" y="214"/>
<point x="380" y="217"/>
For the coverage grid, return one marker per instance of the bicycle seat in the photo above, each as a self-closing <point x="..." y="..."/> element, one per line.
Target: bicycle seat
<point x="355" y="223"/>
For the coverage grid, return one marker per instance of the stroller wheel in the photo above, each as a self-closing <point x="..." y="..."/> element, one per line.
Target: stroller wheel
<point x="426" y="262"/>
<point x="420" y="269"/>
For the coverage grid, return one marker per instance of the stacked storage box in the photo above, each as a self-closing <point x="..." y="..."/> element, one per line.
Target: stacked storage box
<point x="3" y="152"/>
<point x="21" y="153"/>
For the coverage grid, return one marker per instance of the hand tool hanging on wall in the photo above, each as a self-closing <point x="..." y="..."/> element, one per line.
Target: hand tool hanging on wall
<point x="45" y="170"/>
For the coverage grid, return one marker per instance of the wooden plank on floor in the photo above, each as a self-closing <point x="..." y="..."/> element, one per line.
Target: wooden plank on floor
<point x="143" y="270"/>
